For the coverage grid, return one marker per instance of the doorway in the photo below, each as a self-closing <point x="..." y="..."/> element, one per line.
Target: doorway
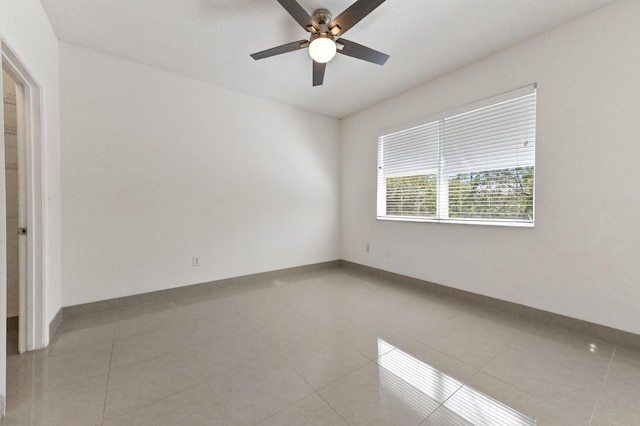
<point x="33" y="329"/>
<point x="13" y="180"/>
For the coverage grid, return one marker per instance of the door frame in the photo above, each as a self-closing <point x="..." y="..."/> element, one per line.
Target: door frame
<point x="33" y="332"/>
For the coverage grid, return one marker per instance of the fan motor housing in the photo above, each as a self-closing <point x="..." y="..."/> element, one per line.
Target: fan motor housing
<point x="322" y="16"/>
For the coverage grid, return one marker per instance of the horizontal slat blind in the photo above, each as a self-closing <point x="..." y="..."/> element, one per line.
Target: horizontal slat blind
<point x="496" y="137"/>
<point x="473" y="166"/>
<point x="489" y="156"/>
<point x="412" y="151"/>
<point x="409" y="166"/>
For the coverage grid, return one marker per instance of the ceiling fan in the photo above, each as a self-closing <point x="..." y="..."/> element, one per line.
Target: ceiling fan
<point x="326" y="36"/>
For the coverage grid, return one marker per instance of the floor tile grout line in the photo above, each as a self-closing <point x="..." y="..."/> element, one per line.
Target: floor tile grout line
<point x="289" y="406"/>
<point x="151" y="403"/>
<point x="190" y="347"/>
<point x="206" y="379"/>
<point x="526" y="392"/>
<point x="282" y="358"/>
<point x="159" y="355"/>
<point x="317" y="391"/>
<point x="631" y="358"/>
<point x="316" y="328"/>
<point x="454" y="357"/>
<point x="266" y="341"/>
<point x="152" y="358"/>
<point x="442" y="403"/>
<point x="332" y="408"/>
<point x="604" y="382"/>
<point x="106" y="393"/>
<point x="489" y="361"/>
<point x="149" y="359"/>
<point x="462" y="384"/>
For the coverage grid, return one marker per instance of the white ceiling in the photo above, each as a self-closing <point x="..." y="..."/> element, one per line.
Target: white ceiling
<point x="211" y="40"/>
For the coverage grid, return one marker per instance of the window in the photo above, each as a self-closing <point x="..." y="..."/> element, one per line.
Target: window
<point x="473" y="167"/>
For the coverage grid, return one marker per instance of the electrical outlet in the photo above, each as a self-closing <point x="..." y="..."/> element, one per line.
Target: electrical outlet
<point x="195" y="261"/>
<point x="367" y="248"/>
<point x="388" y="252"/>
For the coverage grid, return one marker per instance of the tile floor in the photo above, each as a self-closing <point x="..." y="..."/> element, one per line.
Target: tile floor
<point x="330" y="347"/>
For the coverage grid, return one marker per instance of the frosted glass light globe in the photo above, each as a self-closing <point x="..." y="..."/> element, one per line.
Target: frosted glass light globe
<point x="322" y="49"/>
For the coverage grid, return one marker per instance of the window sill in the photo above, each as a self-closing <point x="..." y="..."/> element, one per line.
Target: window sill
<point x="487" y="222"/>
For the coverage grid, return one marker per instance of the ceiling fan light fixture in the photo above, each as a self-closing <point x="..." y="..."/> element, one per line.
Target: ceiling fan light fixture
<point x="326" y="36"/>
<point x="322" y="48"/>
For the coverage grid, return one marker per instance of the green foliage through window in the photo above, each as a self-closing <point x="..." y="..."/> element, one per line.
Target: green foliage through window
<point x="412" y="195"/>
<point x="505" y="194"/>
<point x="494" y="194"/>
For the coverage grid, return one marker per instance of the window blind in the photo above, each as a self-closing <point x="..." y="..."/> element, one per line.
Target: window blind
<point x="411" y="151"/>
<point x="477" y="165"/>
<point x="499" y="136"/>
<point x="409" y="166"/>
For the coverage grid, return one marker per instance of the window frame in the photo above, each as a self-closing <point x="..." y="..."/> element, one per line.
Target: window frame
<point x="442" y="193"/>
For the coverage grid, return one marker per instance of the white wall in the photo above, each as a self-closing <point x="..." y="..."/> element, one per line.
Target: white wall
<point x="157" y="168"/>
<point x="25" y="28"/>
<point x="582" y="257"/>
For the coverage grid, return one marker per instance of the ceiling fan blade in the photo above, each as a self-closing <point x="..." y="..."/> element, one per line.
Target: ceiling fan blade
<point x="289" y="47"/>
<point x="359" y="51"/>
<point x="299" y="14"/>
<point x="353" y="15"/>
<point x="318" y="73"/>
